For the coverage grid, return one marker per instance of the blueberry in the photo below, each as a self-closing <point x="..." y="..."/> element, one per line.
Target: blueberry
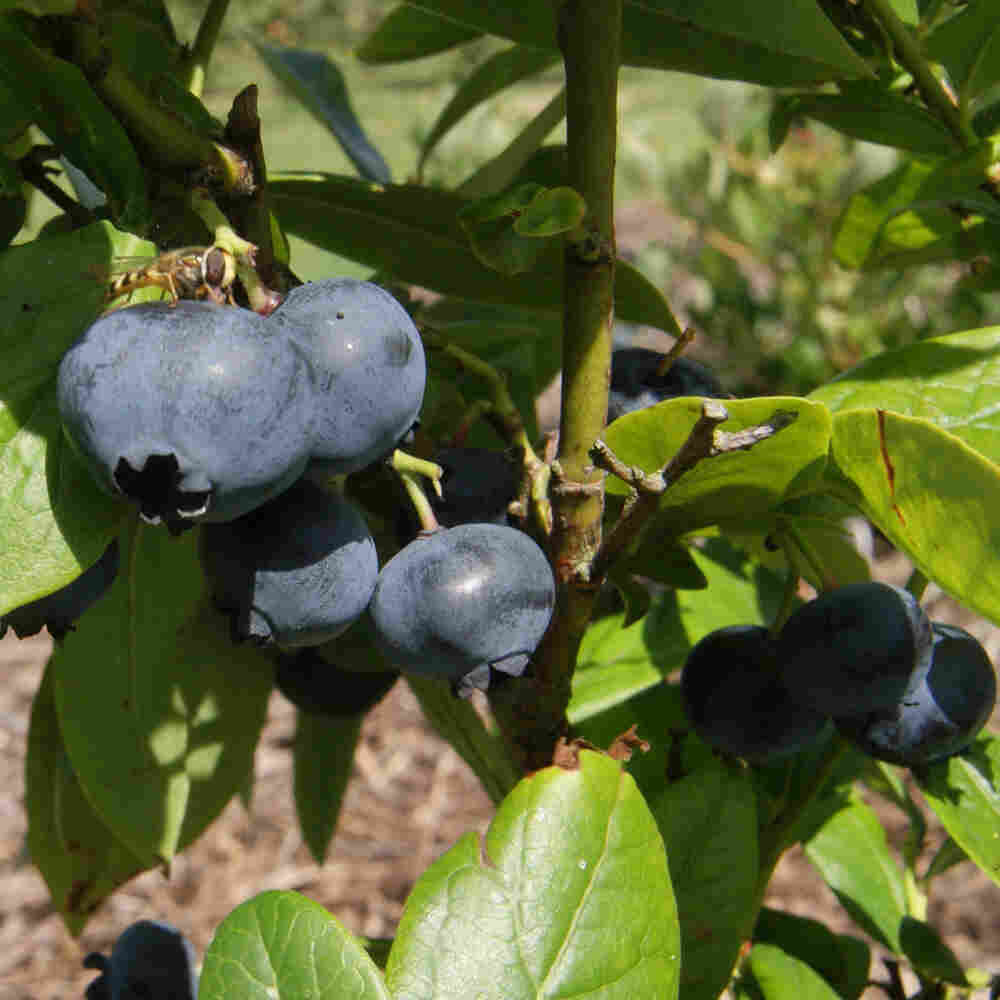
<point x="61" y="608"/>
<point x="151" y="959"/>
<point x="855" y="649"/>
<point x="736" y="702"/>
<point x="460" y="602"/>
<point x="477" y="486"/>
<point x="194" y="411"/>
<point x="316" y="686"/>
<point x="369" y="366"/>
<point x="942" y="716"/>
<point x="635" y="383"/>
<point x="295" y="572"/>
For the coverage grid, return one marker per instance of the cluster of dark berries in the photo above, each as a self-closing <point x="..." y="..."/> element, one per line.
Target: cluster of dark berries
<point x="152" y="959"/>
<point x="900" y="687"/>
<point x="207" y="414"/>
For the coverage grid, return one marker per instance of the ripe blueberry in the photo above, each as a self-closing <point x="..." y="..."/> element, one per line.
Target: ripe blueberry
<point x="318" y="687"/>
<point x="942" y="715"/>
<point x="460" y="602"/>
<point x="368" y="364"/>
<point x="636" y="384"/>
<point x="477" y="485"/>
<point x="295" y="572"/>
<point x="194" y="411"/>
<point x="736" y="702"/>
<point x="61" y="608"/>
<point x="856" y="649"/>
<point x="150" y="959"/>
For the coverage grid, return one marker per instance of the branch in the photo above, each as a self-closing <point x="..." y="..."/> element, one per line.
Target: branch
<point x="533" y="715"/>
<point x="703" y="442"/>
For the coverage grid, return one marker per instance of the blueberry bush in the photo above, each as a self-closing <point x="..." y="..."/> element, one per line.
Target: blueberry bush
<point x="216" y="479"/>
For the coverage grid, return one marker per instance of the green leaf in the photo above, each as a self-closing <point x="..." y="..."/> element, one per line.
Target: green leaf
<point x="413" y="233"/>
<point x="852" y="855"/>
<point x="80" y="859"/>
<point x="968" y="45"/>
<point x="615" y="663"/>
<point x="14" y="116"/>
<point x="283" y="946"/>
<point x="40" y="7"/>
<point x="501" y="171"/>
<point x="13" y="205"/>
<point x="709" y="824"/>
<point x="455" y="720"/>
<point x="776" y="42"/>
<point x="54" y="519"/>
<point x="874" y="115"/>
<point x="537" y="909"/>
<point x="952" y="382"/>
<point x="159" y="735"/>
<point x="410" y="32"/>
<point x="781" y="976"/>
<point x="818" y="521"/>
<point x="842" y="960"/>
<point x="922" y="487"/>
<point x="324" y="756"/>
<point x="320" y="85"/>
<point x="489" y="78"/>
<point x="60" y="101"/>
<point x="928" y="954"/>
<point x="964" y="792"/>
<point x="508" y="231"/>
<point x="741" y="483"/>
<point x="947" y="856"/>
<point x="859" y="241"/>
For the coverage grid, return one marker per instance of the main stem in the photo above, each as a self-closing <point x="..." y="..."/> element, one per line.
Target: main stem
<point x="533" y="714"/>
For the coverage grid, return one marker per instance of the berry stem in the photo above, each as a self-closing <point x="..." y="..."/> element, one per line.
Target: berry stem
<point x="408" y="468"/>
<point x="801" y="554"/>
<point x="192" y="71"/>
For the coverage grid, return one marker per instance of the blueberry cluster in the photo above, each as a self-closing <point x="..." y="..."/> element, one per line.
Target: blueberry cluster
<point x="211" y="415"/>
<point x="900" y="687"/>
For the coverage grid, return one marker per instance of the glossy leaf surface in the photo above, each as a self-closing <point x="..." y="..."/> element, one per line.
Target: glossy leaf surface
<point x="280" y="946"/>
<point x="537" y="909"/>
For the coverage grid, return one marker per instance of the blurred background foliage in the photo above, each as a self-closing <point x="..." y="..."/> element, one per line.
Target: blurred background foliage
<point x="739" y="239"/>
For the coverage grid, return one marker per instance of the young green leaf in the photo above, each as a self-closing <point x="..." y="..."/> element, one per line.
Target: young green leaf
<point x="280" y="945"/>
<point x="568" y="895"/>
<point x="160" y="736"/>
<point x="928" y="954"/>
